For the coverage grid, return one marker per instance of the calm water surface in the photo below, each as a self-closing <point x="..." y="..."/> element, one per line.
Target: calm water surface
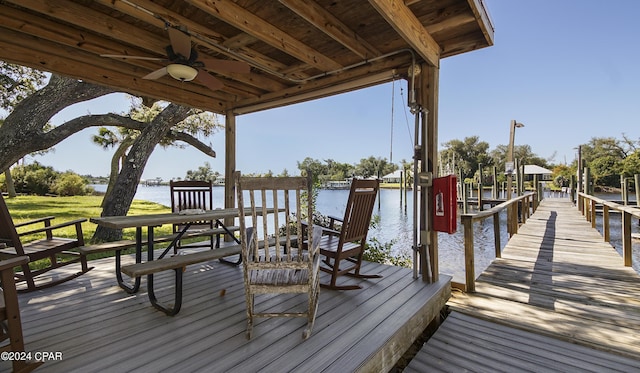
<point x="396" y="220"/>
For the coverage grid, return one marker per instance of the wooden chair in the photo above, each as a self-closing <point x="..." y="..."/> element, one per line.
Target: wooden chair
<point x="343" y="249"/>
<point x="55" y="249"/>
<point x="10" y="324"/>
<point x="191" y="194"/>
<point x="273" y="258"/>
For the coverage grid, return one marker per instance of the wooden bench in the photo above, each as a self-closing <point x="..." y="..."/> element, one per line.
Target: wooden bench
<point x="118" y="246"/>
<point x="178" y="263"/>
<point x="10" y="314"/>
<point x="127" y="244"/>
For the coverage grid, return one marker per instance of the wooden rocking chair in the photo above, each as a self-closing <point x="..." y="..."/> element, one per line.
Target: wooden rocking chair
<point x="348" y="244"/>
<point x="53" y="248"/>
<point x="11" y="326"/>
<point x="273" y="258"/>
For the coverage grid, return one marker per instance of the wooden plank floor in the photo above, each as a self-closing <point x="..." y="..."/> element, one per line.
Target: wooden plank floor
<point x="557" y="279"/>
<point x="98" y="327"/>
<point x="466" y="343"/>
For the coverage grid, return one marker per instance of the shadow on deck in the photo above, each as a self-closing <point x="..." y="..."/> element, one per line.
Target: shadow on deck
<point x="98" y="327"/>
<point x="559" y="299"/>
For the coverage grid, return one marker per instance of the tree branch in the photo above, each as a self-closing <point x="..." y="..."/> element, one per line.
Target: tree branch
<point x="185" y="137"/>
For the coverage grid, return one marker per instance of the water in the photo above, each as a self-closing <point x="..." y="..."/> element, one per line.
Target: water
<point x="396" y="223"/>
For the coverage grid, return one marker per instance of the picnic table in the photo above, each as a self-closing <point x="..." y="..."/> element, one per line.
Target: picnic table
<point x="177" y="263"/>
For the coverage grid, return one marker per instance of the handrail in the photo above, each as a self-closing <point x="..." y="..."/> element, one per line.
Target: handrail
<point x="515" y="214"/>
<point x="588" y="205"/>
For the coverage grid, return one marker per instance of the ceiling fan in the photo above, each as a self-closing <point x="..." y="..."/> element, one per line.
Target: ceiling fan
<point x="185" y="63"/>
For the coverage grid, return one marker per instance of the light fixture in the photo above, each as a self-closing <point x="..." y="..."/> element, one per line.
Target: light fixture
<point x="182" y="72"/>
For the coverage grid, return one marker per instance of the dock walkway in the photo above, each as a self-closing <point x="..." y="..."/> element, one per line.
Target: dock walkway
<point x="559" y="299"/>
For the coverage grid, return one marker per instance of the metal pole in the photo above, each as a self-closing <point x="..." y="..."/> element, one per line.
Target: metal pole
<point x="579" y="166"/>
<point x="512" y="134"/>
<point x="416" y="159"/>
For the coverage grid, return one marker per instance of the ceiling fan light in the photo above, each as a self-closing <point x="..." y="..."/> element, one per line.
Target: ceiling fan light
<point x="182" y="72"/>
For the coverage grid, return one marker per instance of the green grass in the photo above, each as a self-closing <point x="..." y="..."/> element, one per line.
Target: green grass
<point x="26" y="208"/>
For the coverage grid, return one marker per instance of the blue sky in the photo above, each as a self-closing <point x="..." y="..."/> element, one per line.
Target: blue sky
<point x="568" y="69"/>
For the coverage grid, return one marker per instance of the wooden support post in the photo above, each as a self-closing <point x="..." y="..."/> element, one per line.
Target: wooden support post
<point x="518" y="177"/>
<point x="469" y="259"/>
<point x="516" y="216"/>
<point x="229" y="165"/>
<point x="463" y="190"/>
<point x="510" y="219"/>
<point x="636" y="184"/>
<point x="624" y="186"/>
<point x="580" y="203"/>
<point x="592" y="211"/>
<point x="496" y="234"/>
<point x="401" y="178"/>
<point x="406" y="189"/>
<point x="480" y="190"/>
<point x="606" y="231"/>
<point x="587" y="213"/>
<point x="432" y="89"/>
<point x="494" y="187"/>
<point x="626" y="238"/>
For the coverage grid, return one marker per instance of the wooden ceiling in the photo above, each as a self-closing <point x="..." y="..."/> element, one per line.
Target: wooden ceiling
<point x="298" y="49"/>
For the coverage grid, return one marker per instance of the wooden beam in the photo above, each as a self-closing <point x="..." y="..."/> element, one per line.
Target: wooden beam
<point x="89" y="19"/>
<point x="241" y="40"/>
<point x="23" y="22"/>
<point x="20" y="21"/>
<point x="455" y="46"/>
<point x="454" y="22"/>
<point x="48" y="56"/>
<point x="396" y="13"/>
<point x="235" y="15"/>
<point x="482" y="15"/>
<point x="440" y="16"/>
<point x="47" y="30"/>
<point x="332" y="26"/>
<point x="155" y="14"/>
<point x="402" y="60"/>
<point x="114" y="28"/>
<point x="236" y="43"/>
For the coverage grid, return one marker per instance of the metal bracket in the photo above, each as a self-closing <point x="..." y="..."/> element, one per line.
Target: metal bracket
<point x="425" y="238"/>
<point x="425" y="179"/>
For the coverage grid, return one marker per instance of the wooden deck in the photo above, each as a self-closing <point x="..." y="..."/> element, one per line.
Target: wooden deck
<point x="469" y="344"/>
<point x="98" y="327"/>
<point x="559" y="299"/>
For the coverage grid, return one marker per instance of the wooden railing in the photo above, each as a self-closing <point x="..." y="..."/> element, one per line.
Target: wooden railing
<point x="518" y="210"/>
<point x="587" y="205"/>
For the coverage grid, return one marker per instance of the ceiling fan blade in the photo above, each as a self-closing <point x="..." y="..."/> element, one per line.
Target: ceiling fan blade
<point x="156" y="74"/>
<point x="209" y="80"/>
<point x="133" y="57"/>
<point x="225" y="65"/>
<point x="180" y="42"/>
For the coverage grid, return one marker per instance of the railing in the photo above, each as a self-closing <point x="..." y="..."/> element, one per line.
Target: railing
<point x="587" y="205"/>
<point x="518" y="210"/>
